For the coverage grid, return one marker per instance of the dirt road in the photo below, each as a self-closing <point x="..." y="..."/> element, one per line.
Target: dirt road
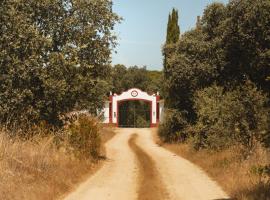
<point x="137" y="168"/>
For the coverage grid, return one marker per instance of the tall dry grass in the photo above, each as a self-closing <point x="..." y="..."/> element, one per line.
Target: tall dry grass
<point x="37" y="169"/>
<point x="243" y="175"/>
<point x="41" y="168"/>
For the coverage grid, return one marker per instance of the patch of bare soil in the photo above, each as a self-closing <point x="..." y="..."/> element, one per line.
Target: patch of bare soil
<point x="150" y="186"/>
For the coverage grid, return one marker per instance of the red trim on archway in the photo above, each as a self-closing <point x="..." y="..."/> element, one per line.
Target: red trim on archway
<point x="110" y="109"/>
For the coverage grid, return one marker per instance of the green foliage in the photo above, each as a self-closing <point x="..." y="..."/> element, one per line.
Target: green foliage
<point x="173" y="29"/>
<point x="123" y="78"/>
<point x="84" y="136"/>
<point x="246" y="42"/>
<point x="54" y="57"/>
<point x="229" y="46"/>
<point x="228" y="117"/>
<point x="136" y="77"/>
<point x="117" y="78"/>
<point x="172" y="37"/>
<point x="155" y="82"/>
<point x="213" y="20"/>
<point x="192" y="63"/>
<point x="188" y="69"/>
<point x="172" y="128"/>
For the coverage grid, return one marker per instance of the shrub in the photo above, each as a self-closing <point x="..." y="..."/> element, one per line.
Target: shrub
<point x="84" y="136"/>
<point x="172" y="128"/>
<point x="235" y="116"/>
<point x="197" y="136"/>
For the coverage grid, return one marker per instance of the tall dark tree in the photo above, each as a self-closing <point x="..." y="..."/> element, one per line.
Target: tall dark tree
<point x="173" y="36"/>
<point x="173" y="30"/>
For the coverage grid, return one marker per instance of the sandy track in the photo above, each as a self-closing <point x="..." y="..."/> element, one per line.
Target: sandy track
<point x="116" y="180"/>
<point x="150" y="182"/>
<point x="125" y="173"/>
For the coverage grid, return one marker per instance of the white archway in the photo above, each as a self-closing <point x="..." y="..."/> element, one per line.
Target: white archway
<point x="111" y="109"/>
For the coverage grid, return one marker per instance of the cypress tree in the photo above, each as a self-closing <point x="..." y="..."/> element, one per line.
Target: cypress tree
<point x="173" y="35"/>
<point x="169" y="25"/>
<point x="173" y="30"/>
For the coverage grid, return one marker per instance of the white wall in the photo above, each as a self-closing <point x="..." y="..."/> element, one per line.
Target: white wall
<point x="106" y="112"/>
<point x="161" y="110"/>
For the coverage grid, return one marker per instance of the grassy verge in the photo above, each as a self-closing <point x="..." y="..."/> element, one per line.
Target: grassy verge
<point x="243" y="177"/>
<point x="38" y="168"/>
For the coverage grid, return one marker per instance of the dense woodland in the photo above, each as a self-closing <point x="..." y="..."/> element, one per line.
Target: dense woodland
<point x="217" y="77"/>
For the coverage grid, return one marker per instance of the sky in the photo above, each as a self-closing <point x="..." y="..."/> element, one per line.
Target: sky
<point x="142" y="31"/>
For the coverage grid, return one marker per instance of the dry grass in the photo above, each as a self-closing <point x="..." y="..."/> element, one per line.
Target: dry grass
<point x="237" y="173"/>
<point x="38" y="169"/>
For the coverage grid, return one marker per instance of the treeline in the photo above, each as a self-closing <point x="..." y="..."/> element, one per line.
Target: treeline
<point x="217" y="77"/>
<point x="54" y="58"/>
<point x="123" y="78"/>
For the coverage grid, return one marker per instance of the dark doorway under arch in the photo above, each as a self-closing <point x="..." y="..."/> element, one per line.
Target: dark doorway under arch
<point x="135" y="114"/>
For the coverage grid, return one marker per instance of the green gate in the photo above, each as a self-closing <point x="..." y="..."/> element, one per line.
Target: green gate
<point x="135" y="114"/>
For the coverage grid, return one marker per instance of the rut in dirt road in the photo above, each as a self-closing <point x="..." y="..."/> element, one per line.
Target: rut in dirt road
<point x="150" y="183"/>
<point x="138" y="169"/>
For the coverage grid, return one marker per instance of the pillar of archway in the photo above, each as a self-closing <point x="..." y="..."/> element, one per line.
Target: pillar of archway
<point x="112" y="106"/>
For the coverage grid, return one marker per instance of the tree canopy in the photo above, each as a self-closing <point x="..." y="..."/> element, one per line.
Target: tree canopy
<point x="225" y="56"/>
<point x="123" y="78"/>
<point x="54" y="57"/>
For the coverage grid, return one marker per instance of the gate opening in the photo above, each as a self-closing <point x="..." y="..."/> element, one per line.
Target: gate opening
<point x="133" y="108"/>
<point x="134" y="114"/>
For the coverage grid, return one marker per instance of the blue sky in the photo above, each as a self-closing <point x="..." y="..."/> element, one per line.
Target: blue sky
<point x="143" y="29"/>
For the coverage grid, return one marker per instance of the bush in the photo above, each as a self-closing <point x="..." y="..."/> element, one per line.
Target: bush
<point x="84" y="136"/>
<point x="235" y="116"/>
<point x="172" y="128"/>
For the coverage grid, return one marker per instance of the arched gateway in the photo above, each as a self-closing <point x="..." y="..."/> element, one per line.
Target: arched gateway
<point x="111" y="108"/>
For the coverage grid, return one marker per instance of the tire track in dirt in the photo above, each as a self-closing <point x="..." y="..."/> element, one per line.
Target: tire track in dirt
<point x="138" y="168"/>
<point x="150" y="184"/>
